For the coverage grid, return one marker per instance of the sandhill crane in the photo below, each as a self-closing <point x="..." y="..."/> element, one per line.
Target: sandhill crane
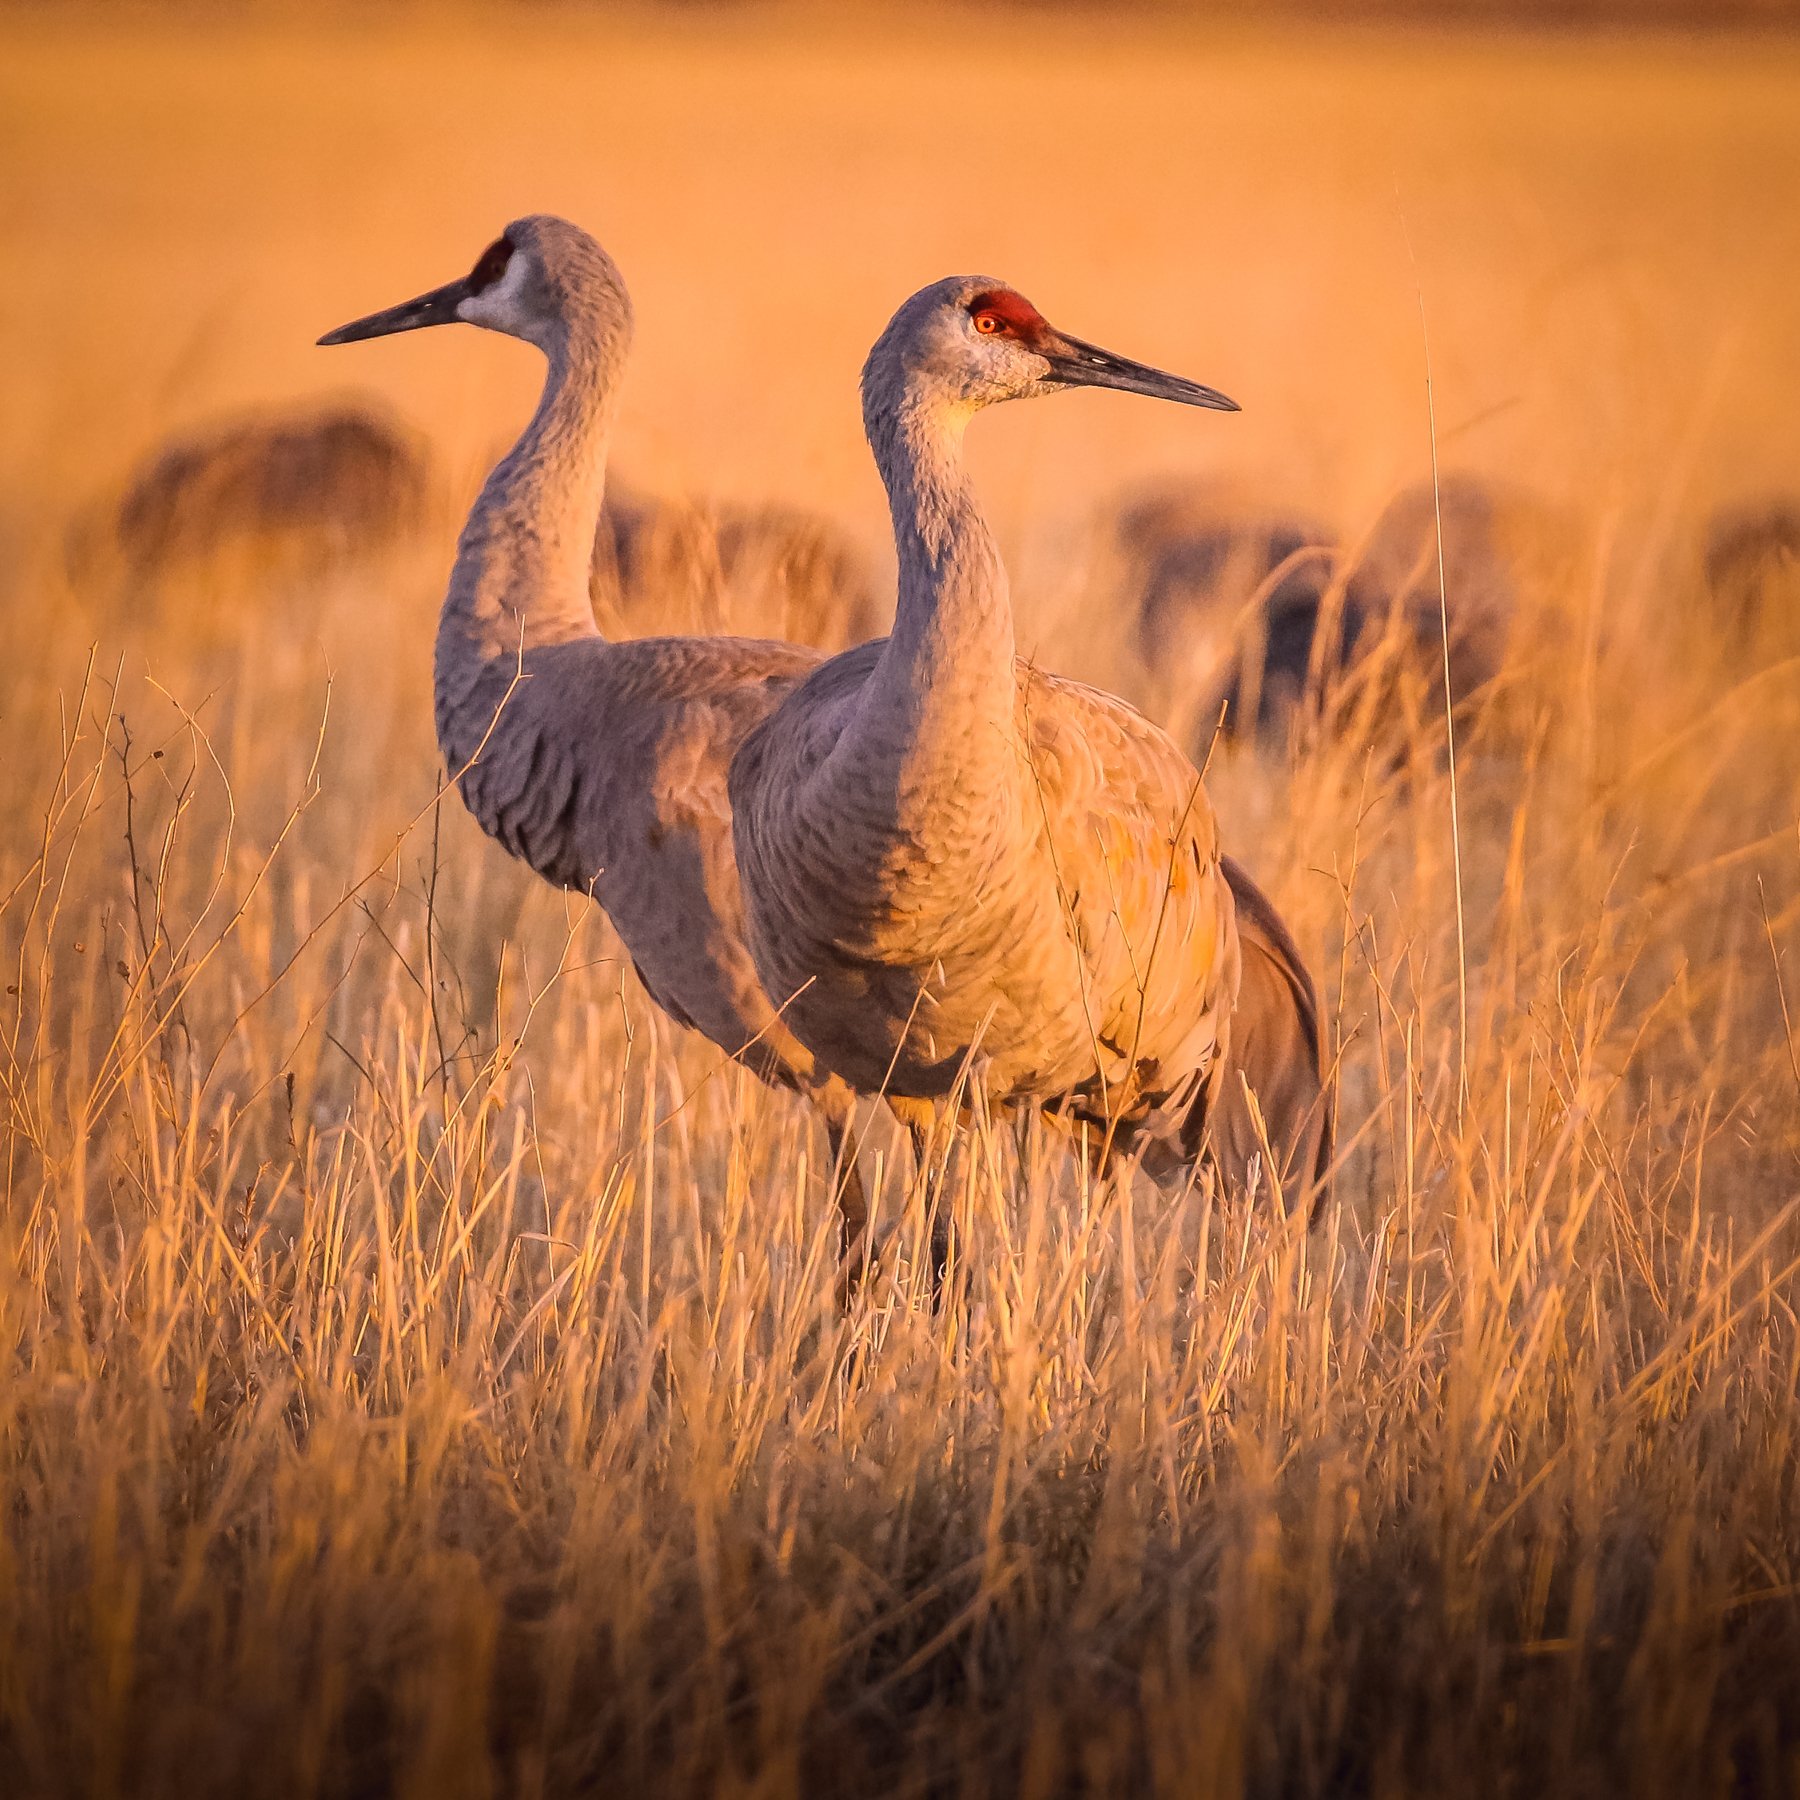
<point x="1752" y="561"/>
<point x="1228" y="594"/>
<point x="601" y="765"/>
<point x="663" y="566"/>
<point x="1255" y="611"/>
<point x="1497" y="545"/>
<point x="948" y="855"/>
<point x="295" y="491"/>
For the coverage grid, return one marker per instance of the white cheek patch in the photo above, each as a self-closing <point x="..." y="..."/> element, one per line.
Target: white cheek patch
<point x="502" y="304"/>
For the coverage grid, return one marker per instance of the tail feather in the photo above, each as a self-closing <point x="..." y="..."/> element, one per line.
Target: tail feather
<point x="1276" y="1048"/>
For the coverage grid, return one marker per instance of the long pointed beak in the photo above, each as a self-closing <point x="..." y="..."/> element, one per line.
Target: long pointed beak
<point x="436" y="308"/>
<point x="1075" y="364"/>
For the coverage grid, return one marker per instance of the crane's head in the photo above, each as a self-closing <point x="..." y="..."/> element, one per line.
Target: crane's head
<point x="970" y="341"/>
<point x="535" y="281"/>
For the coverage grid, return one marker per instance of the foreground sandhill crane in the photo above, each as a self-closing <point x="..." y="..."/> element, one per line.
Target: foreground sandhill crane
<point x="951" y="858"/>
<point x="601" y="765"/>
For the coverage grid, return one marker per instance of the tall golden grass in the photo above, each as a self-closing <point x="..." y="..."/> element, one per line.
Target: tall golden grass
<point x="422" y="1370"/>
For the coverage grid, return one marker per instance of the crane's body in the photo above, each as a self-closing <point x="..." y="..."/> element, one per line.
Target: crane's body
<point x="602" y="765"/>
<point x="948" y="856"/>
<point x="1002" y="906"/>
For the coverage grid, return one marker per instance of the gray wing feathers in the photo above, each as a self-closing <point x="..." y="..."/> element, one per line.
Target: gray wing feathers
<point x="521" y="775"/>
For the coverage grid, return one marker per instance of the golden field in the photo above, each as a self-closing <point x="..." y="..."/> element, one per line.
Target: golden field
<point x="422" y="1373"/>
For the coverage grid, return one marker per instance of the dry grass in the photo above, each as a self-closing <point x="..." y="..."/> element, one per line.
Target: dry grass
<point x="421" y="1373"/>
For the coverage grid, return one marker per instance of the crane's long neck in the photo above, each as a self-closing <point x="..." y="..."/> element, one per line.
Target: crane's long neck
<point x="945" y="682"/>
<point x="520" y="581"/>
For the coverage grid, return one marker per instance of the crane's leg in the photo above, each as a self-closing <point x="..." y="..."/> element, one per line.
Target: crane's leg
<point x="920" y="1117"/>
<point x="1085" y="1136"/>
<point x="837" y="1106"/>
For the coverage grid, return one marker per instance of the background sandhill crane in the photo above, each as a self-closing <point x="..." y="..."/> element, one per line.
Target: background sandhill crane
<point x="664" y="565"/>
<point x="1227" y="594"/>
<point x="602" y="765"/>
<point x="1493" y="542"/>
<point x="298" y="491"/>
<point x="1253" y="612"/>
<point x="1752" y="557"/>
<point x="946" y="855"/>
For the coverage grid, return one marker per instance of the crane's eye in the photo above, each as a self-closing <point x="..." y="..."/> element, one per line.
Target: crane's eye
<point x="988" y="323"/>
<point x="492" y="265"/>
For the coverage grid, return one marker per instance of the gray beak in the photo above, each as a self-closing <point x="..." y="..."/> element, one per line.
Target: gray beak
<point x="1075" y="364"/>
<point x="436" y="308"/>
